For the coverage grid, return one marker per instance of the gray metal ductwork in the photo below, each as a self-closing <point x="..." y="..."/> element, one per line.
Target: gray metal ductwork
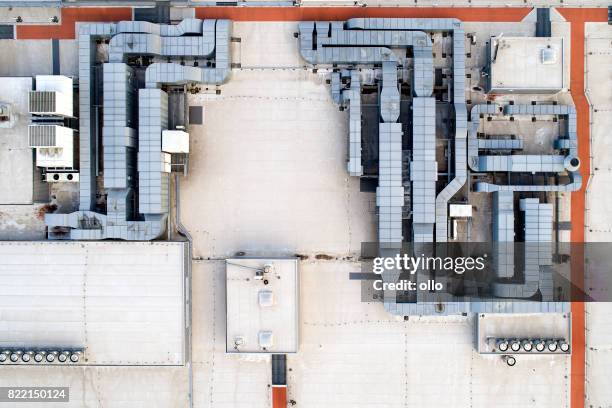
<point x="353" y="95"/>
<point x="143" y="38"/>
<point x="460" y="174"/>
<point x="374" y="41"/>
<point x="526" y="163"/>
<point x="423" y="85"/>
<point x="370" y="41"/>
<point x="503" y="234"/>
<point x="390" y="191"/>
<point x="330" y="43"/>
<point x="423" y="170"/>
<point x="537" y="246"/>
<point x="208" y="39"/>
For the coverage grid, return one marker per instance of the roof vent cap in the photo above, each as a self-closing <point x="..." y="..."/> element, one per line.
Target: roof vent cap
<point x="549" y="56"/>
<point x="266" y="339"/>
<point x="266" y="298"/>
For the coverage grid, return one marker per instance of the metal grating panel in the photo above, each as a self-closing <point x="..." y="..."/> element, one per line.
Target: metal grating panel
<point x="41" y="135"/>
<point x="42" y="101"/>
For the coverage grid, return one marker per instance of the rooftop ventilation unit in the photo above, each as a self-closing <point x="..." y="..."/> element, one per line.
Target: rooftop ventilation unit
<point x="266" y="339"/>
<point x="43" y="102"/>
<point x="39" y="356"/>
<point x="511" y="361"/>
<point x="54" y="145"/>
<point x="53" y="96"/>
<point x="549" y="56"/>
<point x="528" y="346"/>
<point x="260" y="273"/>
<point x="540" y="346"/>
<point x="265" y="298"/>
<point x="44" y="135"/>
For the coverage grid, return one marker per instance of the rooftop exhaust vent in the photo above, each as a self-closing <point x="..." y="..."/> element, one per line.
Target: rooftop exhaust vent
<point x="266" y="339"/>
<point x="266" y="298"/>
<point x="549" y="56"/>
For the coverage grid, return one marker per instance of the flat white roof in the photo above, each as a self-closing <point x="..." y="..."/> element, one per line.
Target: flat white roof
<point x="262" y="311"/>
<point x="58" y="83"/>
<point x="524" y="64"/>
<point x="121" y="301"/>
<point x="16" y="158"/>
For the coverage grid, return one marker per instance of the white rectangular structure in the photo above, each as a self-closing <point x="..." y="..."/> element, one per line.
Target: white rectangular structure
<point x="123" y="302"/>
<point x="536" y="327"/>
<point x="526" y="65"/>
<point x="175" y="141"/>
<point x="460" y="210"/>
<point x="53" y="96"/>
<point x="54" y="145"/>
<point x="262" y="305"/>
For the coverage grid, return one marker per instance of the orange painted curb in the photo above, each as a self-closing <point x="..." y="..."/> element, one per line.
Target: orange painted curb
<point x="279" y="397"/>
<point x="66" y="29"/>
<point x="578" y="18"/>
<point x="344" y="13"/>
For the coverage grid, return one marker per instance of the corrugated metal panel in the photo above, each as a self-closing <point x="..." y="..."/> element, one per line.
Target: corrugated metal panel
<point x="41" y="136"/>
<point x="43" y="101"/>
<point x="122" y="302"/>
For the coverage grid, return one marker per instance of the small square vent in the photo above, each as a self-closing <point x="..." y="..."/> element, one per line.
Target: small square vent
<point x="266" y="339"/>
<point x="549" y="56"/>
<point x="266" y="298"/>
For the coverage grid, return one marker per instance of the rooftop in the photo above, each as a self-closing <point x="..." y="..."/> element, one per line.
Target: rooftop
<point x="123" y="302"/>
<point x="527" y="64"/>
<point x="262" y="305"/>
<point x="16" y="183"/>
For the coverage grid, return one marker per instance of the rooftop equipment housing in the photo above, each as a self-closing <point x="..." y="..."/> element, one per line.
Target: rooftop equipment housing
<point x="262" y="305"/>
<point x="54" y="145"/>
<point x="175" y="141"/>
<point x="53" y="96"/>
<point x="526" y="65"/>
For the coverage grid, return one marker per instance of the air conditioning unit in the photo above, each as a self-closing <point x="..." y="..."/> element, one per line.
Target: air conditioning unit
<point x="37" y="356"/>
<point x="53" y="96"/>
<point x="527" y="345"/>
<point x="67" y="177"/>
